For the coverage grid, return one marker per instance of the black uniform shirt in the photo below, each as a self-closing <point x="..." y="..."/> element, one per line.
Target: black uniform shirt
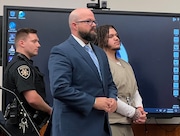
<point x="21" y="75"/>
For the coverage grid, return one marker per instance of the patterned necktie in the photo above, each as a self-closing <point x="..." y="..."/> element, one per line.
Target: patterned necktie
<point x="93" y="57"/>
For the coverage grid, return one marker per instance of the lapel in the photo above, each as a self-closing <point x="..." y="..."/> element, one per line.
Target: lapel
<point x="85" y="55"/>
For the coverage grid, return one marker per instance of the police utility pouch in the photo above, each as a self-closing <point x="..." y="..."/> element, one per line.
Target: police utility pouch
<point x="41" y="118"/>
<point x="13" y="112"/>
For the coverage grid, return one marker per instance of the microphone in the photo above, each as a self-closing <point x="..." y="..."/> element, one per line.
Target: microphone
<point x="21" y="104"/>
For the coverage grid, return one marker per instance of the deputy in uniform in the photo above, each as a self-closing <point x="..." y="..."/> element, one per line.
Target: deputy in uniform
<point x="22" y="77"/>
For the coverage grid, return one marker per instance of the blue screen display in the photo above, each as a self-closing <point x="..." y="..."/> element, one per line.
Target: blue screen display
<point x="150" y="44"/>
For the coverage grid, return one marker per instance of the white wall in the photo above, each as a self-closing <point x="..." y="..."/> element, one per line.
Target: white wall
<point x="172" y="6"/>
<point x="167" y="6"/>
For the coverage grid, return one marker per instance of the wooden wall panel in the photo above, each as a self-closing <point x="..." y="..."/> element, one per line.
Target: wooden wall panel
<point x="156" y="130"/>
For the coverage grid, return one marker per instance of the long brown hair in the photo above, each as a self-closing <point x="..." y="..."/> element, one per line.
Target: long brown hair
<point x="102" y="35"/>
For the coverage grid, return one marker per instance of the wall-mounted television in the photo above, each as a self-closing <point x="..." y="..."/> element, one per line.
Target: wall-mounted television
<point x="150" y="44"/>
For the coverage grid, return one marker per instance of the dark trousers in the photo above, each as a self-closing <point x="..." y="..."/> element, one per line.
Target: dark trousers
<point x="14" y="130"/>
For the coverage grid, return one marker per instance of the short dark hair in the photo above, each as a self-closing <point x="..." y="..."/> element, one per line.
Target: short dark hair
<point x="102" y="35"/>
<point x="23" y="32"/>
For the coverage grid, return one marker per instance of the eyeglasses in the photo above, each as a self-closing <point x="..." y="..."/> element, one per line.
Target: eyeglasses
<point x="89" y="22"/>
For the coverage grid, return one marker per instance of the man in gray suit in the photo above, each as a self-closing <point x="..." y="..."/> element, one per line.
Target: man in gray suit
<point x="83" y="91"/>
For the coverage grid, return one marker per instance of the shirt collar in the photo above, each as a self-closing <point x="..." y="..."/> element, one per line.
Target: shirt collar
<point x="80" y="41"/>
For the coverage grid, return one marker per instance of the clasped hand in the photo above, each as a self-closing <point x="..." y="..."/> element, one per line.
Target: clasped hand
<point x="141" y="117"/>
<point x="106" y="104"/>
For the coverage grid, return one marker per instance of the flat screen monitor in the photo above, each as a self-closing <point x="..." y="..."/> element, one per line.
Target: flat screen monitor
<point x="150" y="43"/>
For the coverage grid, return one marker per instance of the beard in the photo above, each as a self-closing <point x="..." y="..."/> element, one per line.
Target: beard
<point x="113" y="48"/>
<point x="117" y="48"/>
<point x="88" y="36"/>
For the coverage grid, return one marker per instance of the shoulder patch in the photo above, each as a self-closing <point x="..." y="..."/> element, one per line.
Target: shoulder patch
<point x="24" y="71"/>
